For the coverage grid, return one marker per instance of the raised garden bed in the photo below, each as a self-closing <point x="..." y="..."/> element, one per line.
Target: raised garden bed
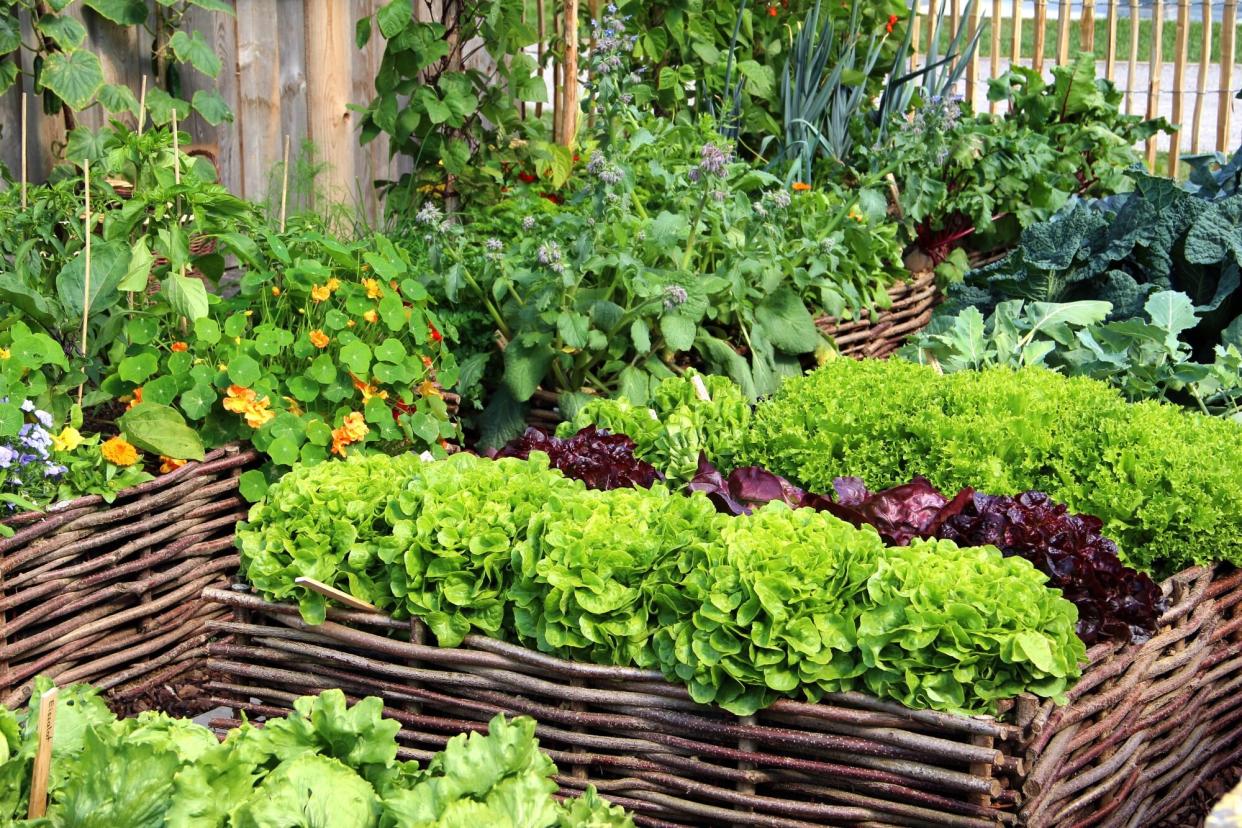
<point x="881" y="333"/>
<point x="109" y="593"/>
<point x="1142" y="728"/>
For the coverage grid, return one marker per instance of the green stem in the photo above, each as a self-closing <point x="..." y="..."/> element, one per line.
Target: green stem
<point x="694" y="229"/>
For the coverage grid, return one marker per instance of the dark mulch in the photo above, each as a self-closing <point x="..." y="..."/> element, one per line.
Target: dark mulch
<point x="182" y="697"/>
<point x="1194" y="810"/>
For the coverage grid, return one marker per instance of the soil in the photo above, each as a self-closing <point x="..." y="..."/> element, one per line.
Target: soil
<point x="183" y="697"/>
<point x="1199" y="804"/>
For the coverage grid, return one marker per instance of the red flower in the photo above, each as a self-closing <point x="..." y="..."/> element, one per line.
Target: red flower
<point x="553" y="197"/>
<point x="892" y="20"/>
<point x="526" y="178"/>
<point x="771" y="11"/>
<point x="436" y="336"/>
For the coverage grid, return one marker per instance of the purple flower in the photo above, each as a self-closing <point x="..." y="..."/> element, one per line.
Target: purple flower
<point x="713" y="161"/>
<point x="675" y="295"/>
<point x="7" y="456"/>
<point x="429" y="215"/>
<point x="494" y="245"/>
<point x="528" y="222"/>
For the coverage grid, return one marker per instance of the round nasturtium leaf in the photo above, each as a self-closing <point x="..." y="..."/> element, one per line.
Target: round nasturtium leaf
<point x="303" y="389"/>
<point x="252" y="485"/>
<point x="142" y="330"/>
<point x="138" y="367"/>
<point x="284" y="451"/>
<point x="318" y="432"/>
<point x="162" y="390"/>
<point x="197" y="401"/>
<point x="244" y="371"/>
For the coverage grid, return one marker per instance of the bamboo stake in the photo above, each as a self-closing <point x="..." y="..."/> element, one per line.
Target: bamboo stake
<point x="1154" y="70"/>
<point x="558" y="86"/>
<point x="994" y="73"/>
<point x="1110" y="52"/>
<point x="1064" y="16"/>
<point x="933" y="18"/>
<point x="1179" y="80"/>
<point x="1205" y="54"/>
<point x="1041" y="26"/>
<point x="955" y="18"/>
<point x="86" y="280"/>
<point x="24" y="173"/>
<point x="1225" y="106"/>
<point x="284" y="185"/>
<point x="142" y="105"/>
<point x="1132" y="70"/>
<point x="1086" y="24"/>
<point x="972" y="66"/>
<point x="1015" y="56"/>
<point x="43" y="755"/>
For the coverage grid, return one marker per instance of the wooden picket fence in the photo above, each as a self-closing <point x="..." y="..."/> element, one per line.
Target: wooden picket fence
<point x="1198" y="97"/>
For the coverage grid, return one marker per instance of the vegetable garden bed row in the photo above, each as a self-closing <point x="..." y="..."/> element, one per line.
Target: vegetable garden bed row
<point x="1143" y="726"/>
<point x="109" y="592"/>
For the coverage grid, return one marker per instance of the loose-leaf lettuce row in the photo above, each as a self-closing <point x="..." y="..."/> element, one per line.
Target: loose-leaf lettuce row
<point x="678" y="426"/>
<point x="600" y="571"/>
<point x="456" y="524"/>
<point x="326" y="522"/>
<point x="1166" y="483"/>
<point x="324" y="764"/>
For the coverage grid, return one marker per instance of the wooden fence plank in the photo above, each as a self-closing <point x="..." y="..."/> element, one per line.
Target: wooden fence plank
<point x="1110" y="49"/>
<point x="972" y="65"/>
<point x="259" y="110"/>
<point x="1086" y="23"/>
<point x="1065" y="13"/>
<point x="1205" y="51"/>
<point x="1041" y="27"/>
<point x="1154" y="69"/>
<point x="995" y="25"/>
<point x="1015" y="55"/>
<point x="329" y="38"/>
<point x="291" y="40"/>
<point x="1179" y="80"/>
<point x="1132" y="69"/>
<point x="1224" y="106"/>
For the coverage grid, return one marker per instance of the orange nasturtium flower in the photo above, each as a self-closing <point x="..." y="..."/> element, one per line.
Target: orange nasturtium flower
<point x="351" y="430"/>
<point x="320" y="293"/>
<point x="334" y="284"/>
<point x="349" y="323"/>
<point x="119" y="452"/>
<point x="429" y="389"/>
<point x="319" y="339"/>
<point x="368" y="389"/>
<point x="275" y="290"/>
<point x="801" y="186"/>
<point x="857" y="215"/>
<point x="250" y="405"/>
<point x="179" y="347"/>
<point x="374" y="291"/>
<point x="371" y="316"/>
<point x="135" y="398"/>
<point x="168" y="464"/>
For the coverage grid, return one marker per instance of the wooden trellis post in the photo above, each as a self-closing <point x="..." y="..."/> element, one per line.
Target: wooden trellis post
<point x="1132" y="69"/>
<point x="1205" y="54"/>
<point x="1041" y="26"/>
<point x="1154" y="71"/>
<point x="1110" y="50"/>
<point x="1064" y="15"/>
<point x="1179" y="79"/>
<point x="1225" y="105"/>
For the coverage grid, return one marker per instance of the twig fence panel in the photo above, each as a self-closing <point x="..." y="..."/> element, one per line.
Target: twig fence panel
<point x="1143" y="727"/>
<point x="111" y="593"/>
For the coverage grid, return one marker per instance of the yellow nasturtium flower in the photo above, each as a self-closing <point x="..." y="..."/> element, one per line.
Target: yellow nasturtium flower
<point x="68" y="439"/>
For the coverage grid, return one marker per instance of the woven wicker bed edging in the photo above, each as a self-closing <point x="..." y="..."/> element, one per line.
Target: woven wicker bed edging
<point x="880" y="333"/>
<point x="111" y="593"/>
<point x="1142" y="726"/>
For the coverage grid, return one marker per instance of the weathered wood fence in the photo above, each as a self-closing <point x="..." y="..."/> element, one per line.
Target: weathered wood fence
<point x="290" y="71"/>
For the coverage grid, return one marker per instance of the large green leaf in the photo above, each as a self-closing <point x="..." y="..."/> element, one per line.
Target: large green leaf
<point x="65" y="30"/>
<point x="118" y="98"/>
<point x="194" y="49"/>
<point x="139" y="271"/>
<point x="10" y="34"/>
<point x="121" y="12"/>
<point x="161" y="430"/>
<point x="160" y="106"/>
<point x="75" y="76"/>
<point x="109" y="264"/>
<point x="393" y="17"/>
<point x="526" y="363"/>
<point x="788" y="324"/>
<point x="187" y="295"/>
<point x="214" y="109"/>
<point x="32" y="303"/>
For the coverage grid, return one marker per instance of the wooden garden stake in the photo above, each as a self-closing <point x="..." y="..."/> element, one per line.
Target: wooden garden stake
<point x="1041" y="21"/>
<point x="539" y="23"/>
<point x="1132" y="69"/>
<point x="1064" y="16"/>
<point x="995" y="25"/>
<point x="1180" y="48"/>
<point x="142" y="105"/>
<point x="43" y="755"/>
<point x="23" y="150"/>
<point x="1015" y="57"/>
<point x="569" y="75"/>
<point x="1225" y="106"/>
<point x="1205" y="51"/>
<point x="1110" y="50"/>
<point x="335" y="594"/>
<point x="284" y="186"/>
<point x="86" y="281"/>
<point x="1155" y="68"/>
